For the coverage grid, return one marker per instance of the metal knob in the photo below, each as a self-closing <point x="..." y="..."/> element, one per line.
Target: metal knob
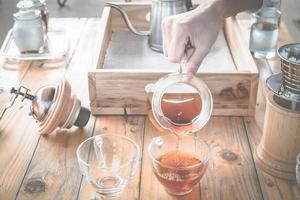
<point x="42" y="102"/>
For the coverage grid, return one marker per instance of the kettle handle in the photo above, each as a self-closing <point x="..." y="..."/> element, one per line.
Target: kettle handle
<point x="189" y="5"/>
<point x="126" y="19"/>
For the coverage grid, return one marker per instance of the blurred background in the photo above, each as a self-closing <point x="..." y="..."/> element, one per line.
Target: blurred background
<point x="93" y="8"/>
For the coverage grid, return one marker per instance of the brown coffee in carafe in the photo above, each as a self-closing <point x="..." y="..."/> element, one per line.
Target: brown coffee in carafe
<point x="179" y="109"/>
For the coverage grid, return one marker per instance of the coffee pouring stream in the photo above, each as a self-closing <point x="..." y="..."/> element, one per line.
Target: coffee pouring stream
<point x="52" y="106"/>
<point x="160" y="10"/>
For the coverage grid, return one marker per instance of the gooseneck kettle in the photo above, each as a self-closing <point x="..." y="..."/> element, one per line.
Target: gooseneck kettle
<point x="160" y="10"/>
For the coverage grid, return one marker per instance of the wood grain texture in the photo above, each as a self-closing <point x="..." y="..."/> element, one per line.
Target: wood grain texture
<point x="272" y="188"/>
<point x="46" y="167"/>
<point x="279" y="145"/>
<point x="238" y="46"/>
<point x="12" y="135"/>
<point x="20" y="137"/>
<point x="230" y="98"/>
<point x="230" y="174"/>
<point x="46" y="178"/>
<point x="132" y="127"/>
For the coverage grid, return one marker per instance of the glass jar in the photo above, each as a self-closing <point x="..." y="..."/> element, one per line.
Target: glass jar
<point x="28" y="32"/>
<point x="272" y="3"/>
<point x="264" y="32"/>
<point x="42" y="6"/>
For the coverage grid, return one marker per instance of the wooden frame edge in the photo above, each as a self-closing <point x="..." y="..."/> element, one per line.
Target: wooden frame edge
<point x="238" y="46"/>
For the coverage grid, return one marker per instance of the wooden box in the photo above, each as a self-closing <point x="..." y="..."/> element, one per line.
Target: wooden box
<point x="116" y="86"/>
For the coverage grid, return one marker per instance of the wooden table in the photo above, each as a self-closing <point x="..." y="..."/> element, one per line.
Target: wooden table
<point x="45" y="167"/>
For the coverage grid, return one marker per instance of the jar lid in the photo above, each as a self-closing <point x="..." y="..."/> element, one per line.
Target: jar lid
<point x="39" y="3"/>
<point x="27" y="14"/>
<point x="25" y="5"/>
<point x="181" y="103"/>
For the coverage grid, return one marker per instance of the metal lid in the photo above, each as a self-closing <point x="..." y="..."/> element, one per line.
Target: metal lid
<point x="27" y="15"/>
<point x="42" y="102"/>
<point x="290" y="53"/>
<point x="25" y="5"/>
<point x="39" y="3"/>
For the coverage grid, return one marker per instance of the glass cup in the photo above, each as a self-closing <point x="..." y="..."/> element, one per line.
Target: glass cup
<point x="264" y="32"/>
<point x="108" y="162"/>
<point x="179" y="163"/>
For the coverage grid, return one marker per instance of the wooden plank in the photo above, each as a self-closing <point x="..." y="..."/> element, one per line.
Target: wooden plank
<point x="21" y="144"/>
<point x="230" y="98"/>
<point x="132" y="127"/>
<point x="264" y="73"/>
<point x="104" y="35"/>
<point x="58" y="176"/>
<point x="12" y="154"/>
<point x="272" y="188"/>
<point x="238" y="46"/>
<point x="231" y="173"/>
<point x="15" y="149"/>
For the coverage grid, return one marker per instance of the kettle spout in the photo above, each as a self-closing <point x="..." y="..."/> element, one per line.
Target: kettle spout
<point x="126" y="19"/>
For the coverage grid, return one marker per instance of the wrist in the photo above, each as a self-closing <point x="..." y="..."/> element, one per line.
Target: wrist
<point x="232" y="7"/>
<point x="214" y="8"/>
<point x="220" y="7"/>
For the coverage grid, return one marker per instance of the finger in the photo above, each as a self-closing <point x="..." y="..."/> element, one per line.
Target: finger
<point x="195" y="60"/>
<point x="189" y="53"/>
<point x="177" y="45"/>
<point x="164" y="35"/>
<point x="168" y="21"/>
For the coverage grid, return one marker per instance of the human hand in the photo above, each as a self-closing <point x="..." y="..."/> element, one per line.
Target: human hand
<point x="200" y="27"/>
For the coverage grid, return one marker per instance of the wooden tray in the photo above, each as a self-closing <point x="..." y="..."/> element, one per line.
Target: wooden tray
<point x="126" y="65"/>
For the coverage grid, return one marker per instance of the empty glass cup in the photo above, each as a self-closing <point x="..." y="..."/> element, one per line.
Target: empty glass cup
<point x="264" y="32"/>
<point x="108" y="162"/>
<point x="179" y="167"/>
